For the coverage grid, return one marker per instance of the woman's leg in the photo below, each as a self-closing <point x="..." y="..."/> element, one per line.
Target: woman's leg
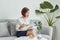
<point x="17" y="34"/>
<point x="21" y="33"/>
<point x="30" y="33"/>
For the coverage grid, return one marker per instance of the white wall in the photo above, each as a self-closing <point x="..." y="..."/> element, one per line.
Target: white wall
<point x="10" y="9"/>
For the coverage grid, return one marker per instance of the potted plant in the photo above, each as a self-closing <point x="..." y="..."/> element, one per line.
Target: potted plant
<point x="50" y="11"/>
<point x="39" y="26"/>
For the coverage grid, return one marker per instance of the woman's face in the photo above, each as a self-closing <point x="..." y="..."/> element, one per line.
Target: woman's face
<point x="27" y="14"/>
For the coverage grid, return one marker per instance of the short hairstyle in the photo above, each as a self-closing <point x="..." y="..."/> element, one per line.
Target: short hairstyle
<point x="24" y="10"/>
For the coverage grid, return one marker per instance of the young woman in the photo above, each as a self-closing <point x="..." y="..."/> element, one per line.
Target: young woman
<point x="23" y="27"/>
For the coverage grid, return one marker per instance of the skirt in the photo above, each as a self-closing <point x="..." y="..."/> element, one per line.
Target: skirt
<point x="21" y="33"/>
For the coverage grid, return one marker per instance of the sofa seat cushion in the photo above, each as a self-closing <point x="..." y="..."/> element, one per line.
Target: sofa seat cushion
<point x="8" y="38"/>
<point x="45" y="36"/>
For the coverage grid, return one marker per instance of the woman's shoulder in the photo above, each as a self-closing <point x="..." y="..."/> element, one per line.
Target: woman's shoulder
<point x="19" y="19"/>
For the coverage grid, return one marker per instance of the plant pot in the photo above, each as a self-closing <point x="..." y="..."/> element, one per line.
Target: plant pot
<point x="54" y="33"/>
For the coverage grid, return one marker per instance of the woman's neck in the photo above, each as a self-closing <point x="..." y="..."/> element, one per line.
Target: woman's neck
<point x="24" y="17"/>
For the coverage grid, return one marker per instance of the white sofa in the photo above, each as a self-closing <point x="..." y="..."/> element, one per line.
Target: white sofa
<point x="46" y="31"/>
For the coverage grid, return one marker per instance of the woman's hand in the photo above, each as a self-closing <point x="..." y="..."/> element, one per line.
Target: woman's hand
<point x="22" y="26"/>
<point x="26" y="24"/>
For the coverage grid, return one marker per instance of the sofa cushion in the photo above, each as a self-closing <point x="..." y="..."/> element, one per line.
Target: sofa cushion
<point x="45" y="36"/>
<point x="4" y="29"/>
<point x="12" y="27"/>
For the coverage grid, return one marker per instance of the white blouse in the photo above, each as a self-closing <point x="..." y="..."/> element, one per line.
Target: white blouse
<point x="23" y="21"/>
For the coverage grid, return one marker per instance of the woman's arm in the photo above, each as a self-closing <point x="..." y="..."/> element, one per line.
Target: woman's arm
<point x="23" y="25"/>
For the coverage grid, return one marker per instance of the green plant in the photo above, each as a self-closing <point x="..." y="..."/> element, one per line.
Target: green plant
<point x="53" y="10"/>
<point x="39" y="25"/>
<point x="58" y="17"/>
<point x="47" y="5"/>
<point x="50" y="21"/>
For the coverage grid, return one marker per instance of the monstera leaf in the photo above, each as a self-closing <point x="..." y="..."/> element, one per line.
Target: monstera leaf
<point x="39" y="12"/>
<point x="46" y="5"/>
<point x="58" y="17"/>
<point x="53" y="10"/>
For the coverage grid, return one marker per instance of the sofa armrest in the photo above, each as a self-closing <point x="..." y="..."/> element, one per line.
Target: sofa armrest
<point x="47" y="31"/>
